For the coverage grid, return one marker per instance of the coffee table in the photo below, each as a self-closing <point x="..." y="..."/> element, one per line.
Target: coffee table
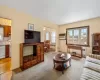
<point x="61" y="61"/>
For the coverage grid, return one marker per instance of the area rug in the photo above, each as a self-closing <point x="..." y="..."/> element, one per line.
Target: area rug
<point x="45" y="70"/>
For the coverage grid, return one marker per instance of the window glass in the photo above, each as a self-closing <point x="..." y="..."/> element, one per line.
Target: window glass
<point x="70" y="33"/>
<point x="83" y="36"/>
<point x="70" y="36"/>
<point x="47" y="36"/>
<point x="1" y="33"/>
<point x="53" y="37"/>
<point x="78" y="36"/>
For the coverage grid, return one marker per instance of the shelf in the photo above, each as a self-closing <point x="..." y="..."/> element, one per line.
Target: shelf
<point x="32" y="44"/>
<point x="62" y="39"/>
<point x="96" y="43"/>
<point x="96" y="50"/>
<point x="97" y="40"/>
<point x="96" y="46"/>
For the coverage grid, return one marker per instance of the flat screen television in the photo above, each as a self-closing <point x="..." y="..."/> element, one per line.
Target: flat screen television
<point x="32" y="36"/>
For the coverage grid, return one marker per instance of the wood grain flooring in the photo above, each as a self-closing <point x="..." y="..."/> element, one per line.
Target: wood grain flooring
<point x="5" y="69"/>
<point x="5" y="65"/>
<point x="6" y="75"/>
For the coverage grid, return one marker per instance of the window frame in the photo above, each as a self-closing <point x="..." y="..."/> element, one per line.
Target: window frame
<point x="53" y="37"/>
<point x="48" y="35"/>
<point x="2" y="26"/>
<point x="88" y="35"/>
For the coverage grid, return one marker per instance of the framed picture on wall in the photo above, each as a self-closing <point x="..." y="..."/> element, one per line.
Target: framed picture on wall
<point x="30" y="26"/>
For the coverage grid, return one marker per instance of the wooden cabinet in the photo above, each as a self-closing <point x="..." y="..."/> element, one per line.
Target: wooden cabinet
<point x="7" y="51"/>
<point x="42" y="57"/>
<point x="33" y="62"/>
<point x="2" y="51"/>
<point x="7" y="31"/>
<point x="96" y="43"/>
<point x="30" y="60"/>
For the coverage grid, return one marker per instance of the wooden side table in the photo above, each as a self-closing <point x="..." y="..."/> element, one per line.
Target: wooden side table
<point x="76" y="48"/>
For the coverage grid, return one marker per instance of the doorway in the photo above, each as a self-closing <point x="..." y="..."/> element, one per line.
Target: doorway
<point x="49" y="39"/>
<point x="5" y="45"/>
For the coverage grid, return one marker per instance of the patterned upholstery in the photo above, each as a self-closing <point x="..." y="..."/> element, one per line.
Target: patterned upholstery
<point x="89" y="74"/>
<point x="91" y="69"/>
<point x="94" y="56"/>
<point x="92" y="66"/>
<point x="92" y="60"/>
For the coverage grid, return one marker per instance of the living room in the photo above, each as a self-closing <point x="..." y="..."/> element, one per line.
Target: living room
<point x="77" y="14"/>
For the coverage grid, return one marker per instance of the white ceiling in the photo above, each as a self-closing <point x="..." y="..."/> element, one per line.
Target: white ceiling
<point x="57" y="11"/>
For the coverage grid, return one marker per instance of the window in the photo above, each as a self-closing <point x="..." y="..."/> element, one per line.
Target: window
<point x="50" y="34"/>
<point x="47" y="36"/>
<point x="53" y="37"/>
<point x="1" y="33"/>
<point x="78" y="36"/>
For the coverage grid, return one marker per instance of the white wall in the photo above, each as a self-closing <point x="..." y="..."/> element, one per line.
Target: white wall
<point x="19" y="24"/>
<point x="94" y="28"/>
<point x="62" y="46"/>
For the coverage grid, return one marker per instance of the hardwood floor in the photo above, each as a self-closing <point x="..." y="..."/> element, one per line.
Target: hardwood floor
<point x="6" y="75"/>
<point x="5" y="71"/>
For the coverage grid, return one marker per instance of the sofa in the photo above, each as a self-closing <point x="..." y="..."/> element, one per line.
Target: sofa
<point x="91" y="70"/>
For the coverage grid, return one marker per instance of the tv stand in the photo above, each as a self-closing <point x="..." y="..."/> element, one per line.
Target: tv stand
<point x="31" y="60"/>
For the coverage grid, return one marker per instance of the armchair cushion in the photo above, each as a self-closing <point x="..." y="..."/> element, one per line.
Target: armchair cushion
<point x="93" y="60"/>
<point x="89" y="74"/>
<point x="94" y="56"/>
<point x="92" y="66"/>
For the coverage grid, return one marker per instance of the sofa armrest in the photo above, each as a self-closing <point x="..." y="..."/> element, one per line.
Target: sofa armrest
<point x="94" y="56"/>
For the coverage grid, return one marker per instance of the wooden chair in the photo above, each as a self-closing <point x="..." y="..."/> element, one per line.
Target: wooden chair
<point x="46" y="45"/>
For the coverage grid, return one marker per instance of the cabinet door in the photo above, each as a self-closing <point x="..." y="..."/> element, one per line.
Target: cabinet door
<point x="7" y="31"/>
<point x="42" y="49"/>
<point x="42" y="57"/>
<point x="7" y="51"/>
<point x="27" y="65"/>
<point x="2" y="51"/>
<point x="33" y="62"/>
<point x="38" y="50"/>
<point x="39" y="59"/>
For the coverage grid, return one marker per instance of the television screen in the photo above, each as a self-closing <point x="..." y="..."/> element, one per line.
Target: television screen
<point x="28" y="34"/>
<point x="32" y="36"/>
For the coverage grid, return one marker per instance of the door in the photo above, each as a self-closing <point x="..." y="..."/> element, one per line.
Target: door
<point x="7" y="31"/>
